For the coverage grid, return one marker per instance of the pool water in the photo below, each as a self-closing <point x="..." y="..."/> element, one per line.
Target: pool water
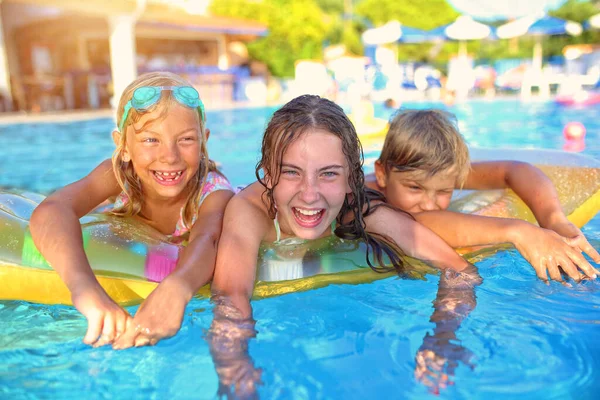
<point x="522" y="340"/>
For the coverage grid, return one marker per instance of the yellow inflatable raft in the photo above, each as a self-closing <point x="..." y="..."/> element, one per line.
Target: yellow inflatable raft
<point x="129" y="257"/>
<point x="377" y="127"/>
<point x="365" y="123"/>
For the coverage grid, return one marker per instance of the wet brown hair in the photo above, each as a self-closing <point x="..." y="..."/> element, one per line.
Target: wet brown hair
<point x="287" y="125"/>
<point x="126" y="176"/>
<point x="425" y="141"/>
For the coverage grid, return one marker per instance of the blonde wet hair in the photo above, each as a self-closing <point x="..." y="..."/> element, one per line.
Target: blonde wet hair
<point x="126" y="176"/>
<point x="425" y="141"/>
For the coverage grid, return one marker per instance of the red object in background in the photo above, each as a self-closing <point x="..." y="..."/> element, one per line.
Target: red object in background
<point x="574" y="133"/>
<point x="581" y="98"/>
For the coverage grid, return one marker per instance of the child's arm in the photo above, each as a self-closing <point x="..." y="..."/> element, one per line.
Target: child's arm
<point x="56" y="231"/>
<point x="536" y="190"/>
<point x="244" y="227"/>
<point x="544" y="249"/>
<point x="414" y="238"/>
<point x="440" y="353"/>
<point x="228" y="337"/>
<point x="161" y="314"/>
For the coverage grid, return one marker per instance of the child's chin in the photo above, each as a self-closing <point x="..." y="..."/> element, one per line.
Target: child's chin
<point x="311" y="233"/>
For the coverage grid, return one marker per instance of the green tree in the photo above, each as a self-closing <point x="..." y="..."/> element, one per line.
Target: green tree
<point x="422" y="14"/>
<point x="297" y="29"/>
<point x="574" y="10"/>
<point x="333" y="7"/>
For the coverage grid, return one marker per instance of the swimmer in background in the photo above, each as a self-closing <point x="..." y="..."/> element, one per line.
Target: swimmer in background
<point x="390" y="103"/>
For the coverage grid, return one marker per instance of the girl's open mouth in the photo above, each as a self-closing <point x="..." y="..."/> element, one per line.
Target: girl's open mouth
<point x="308" y="218"/>
<point x="168" y="178"/>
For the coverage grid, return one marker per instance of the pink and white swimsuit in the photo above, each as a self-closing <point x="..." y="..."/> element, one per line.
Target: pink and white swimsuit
<point x="214" y="182"/>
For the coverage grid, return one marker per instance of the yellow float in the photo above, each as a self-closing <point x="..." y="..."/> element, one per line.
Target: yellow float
<point x="365" y="123"/>
<point x="376" y="127"/>
<point x="128" y="257"/>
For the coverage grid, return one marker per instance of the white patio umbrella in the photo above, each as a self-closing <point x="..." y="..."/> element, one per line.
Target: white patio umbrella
<point x="463" y="29"/>
<point x="538" y="26"/>
<point x="393" y="32"/>
<point x="387" y="33"/>
<point x="594" y="21"/>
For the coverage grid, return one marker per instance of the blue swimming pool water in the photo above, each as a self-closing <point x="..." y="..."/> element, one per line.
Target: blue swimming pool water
<point x="525" y="339"/>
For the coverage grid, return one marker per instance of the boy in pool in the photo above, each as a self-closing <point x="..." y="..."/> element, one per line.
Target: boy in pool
<point x="424" y="158"/>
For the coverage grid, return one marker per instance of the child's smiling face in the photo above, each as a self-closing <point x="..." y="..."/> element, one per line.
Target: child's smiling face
<point x="165" y="152"/>
<point x="416" y="192"/>
<point x="312" y="185"/>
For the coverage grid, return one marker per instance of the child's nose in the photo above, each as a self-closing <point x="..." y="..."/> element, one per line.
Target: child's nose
<point x="169" y="153"/>
<point x="429" y="203"/>
<point x="309" y="192"/>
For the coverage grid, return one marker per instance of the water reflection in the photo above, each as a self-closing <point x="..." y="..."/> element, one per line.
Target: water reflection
<point x="435" y="361"/>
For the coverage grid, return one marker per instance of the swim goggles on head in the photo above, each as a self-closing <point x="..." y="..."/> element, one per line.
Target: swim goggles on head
<point x="146" y="96"/>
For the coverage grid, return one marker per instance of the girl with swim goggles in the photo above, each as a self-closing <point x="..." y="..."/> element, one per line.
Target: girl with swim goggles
<point x="160" y="174"/>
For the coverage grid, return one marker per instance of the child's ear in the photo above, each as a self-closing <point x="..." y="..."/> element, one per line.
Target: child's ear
<point x="380" y="174"/>
<point x="116" y="135"/>
<point x="207" y="133"/>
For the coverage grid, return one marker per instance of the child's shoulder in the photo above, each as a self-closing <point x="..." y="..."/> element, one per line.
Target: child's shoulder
<point x="251" y="197"/>
<point x="249" y="209"/>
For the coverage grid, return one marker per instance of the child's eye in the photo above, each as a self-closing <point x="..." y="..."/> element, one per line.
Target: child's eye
<point x="414" y="187"/>
<point x="149" y="140"/>
<point x="289" y="172"/>
<point x="188" y="139"/>
<point x="330" y="174"/>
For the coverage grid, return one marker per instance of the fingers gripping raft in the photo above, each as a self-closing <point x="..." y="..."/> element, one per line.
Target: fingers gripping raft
<point x="128" y="258"/>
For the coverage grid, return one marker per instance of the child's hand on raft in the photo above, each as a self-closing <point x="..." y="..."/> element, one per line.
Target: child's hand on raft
<point x="106" y="320"/>
<point x="159" y="317"/>
<point x="575" y="238"/>
<point x="548" y="253"/>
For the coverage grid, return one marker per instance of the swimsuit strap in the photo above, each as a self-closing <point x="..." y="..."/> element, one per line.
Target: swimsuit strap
<point x="277" y="229"/>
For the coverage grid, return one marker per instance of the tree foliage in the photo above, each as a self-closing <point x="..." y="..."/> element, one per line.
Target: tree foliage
<point x="422" y="14"/>
<point x="332" y="7"/>
<point x="297" y="29"/>
<point x="578" y="11"/>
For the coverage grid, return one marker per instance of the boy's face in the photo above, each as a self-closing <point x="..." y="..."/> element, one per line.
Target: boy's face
<point x="415" y="191"/>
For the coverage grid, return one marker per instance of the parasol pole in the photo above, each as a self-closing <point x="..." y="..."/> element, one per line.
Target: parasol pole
<point x="537" y="53"/>
<point x="462" y="48"/>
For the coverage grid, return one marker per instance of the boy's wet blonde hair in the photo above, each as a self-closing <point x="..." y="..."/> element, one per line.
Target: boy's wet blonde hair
<point x="425" y="141"/>
<point x="124" y="172"/>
